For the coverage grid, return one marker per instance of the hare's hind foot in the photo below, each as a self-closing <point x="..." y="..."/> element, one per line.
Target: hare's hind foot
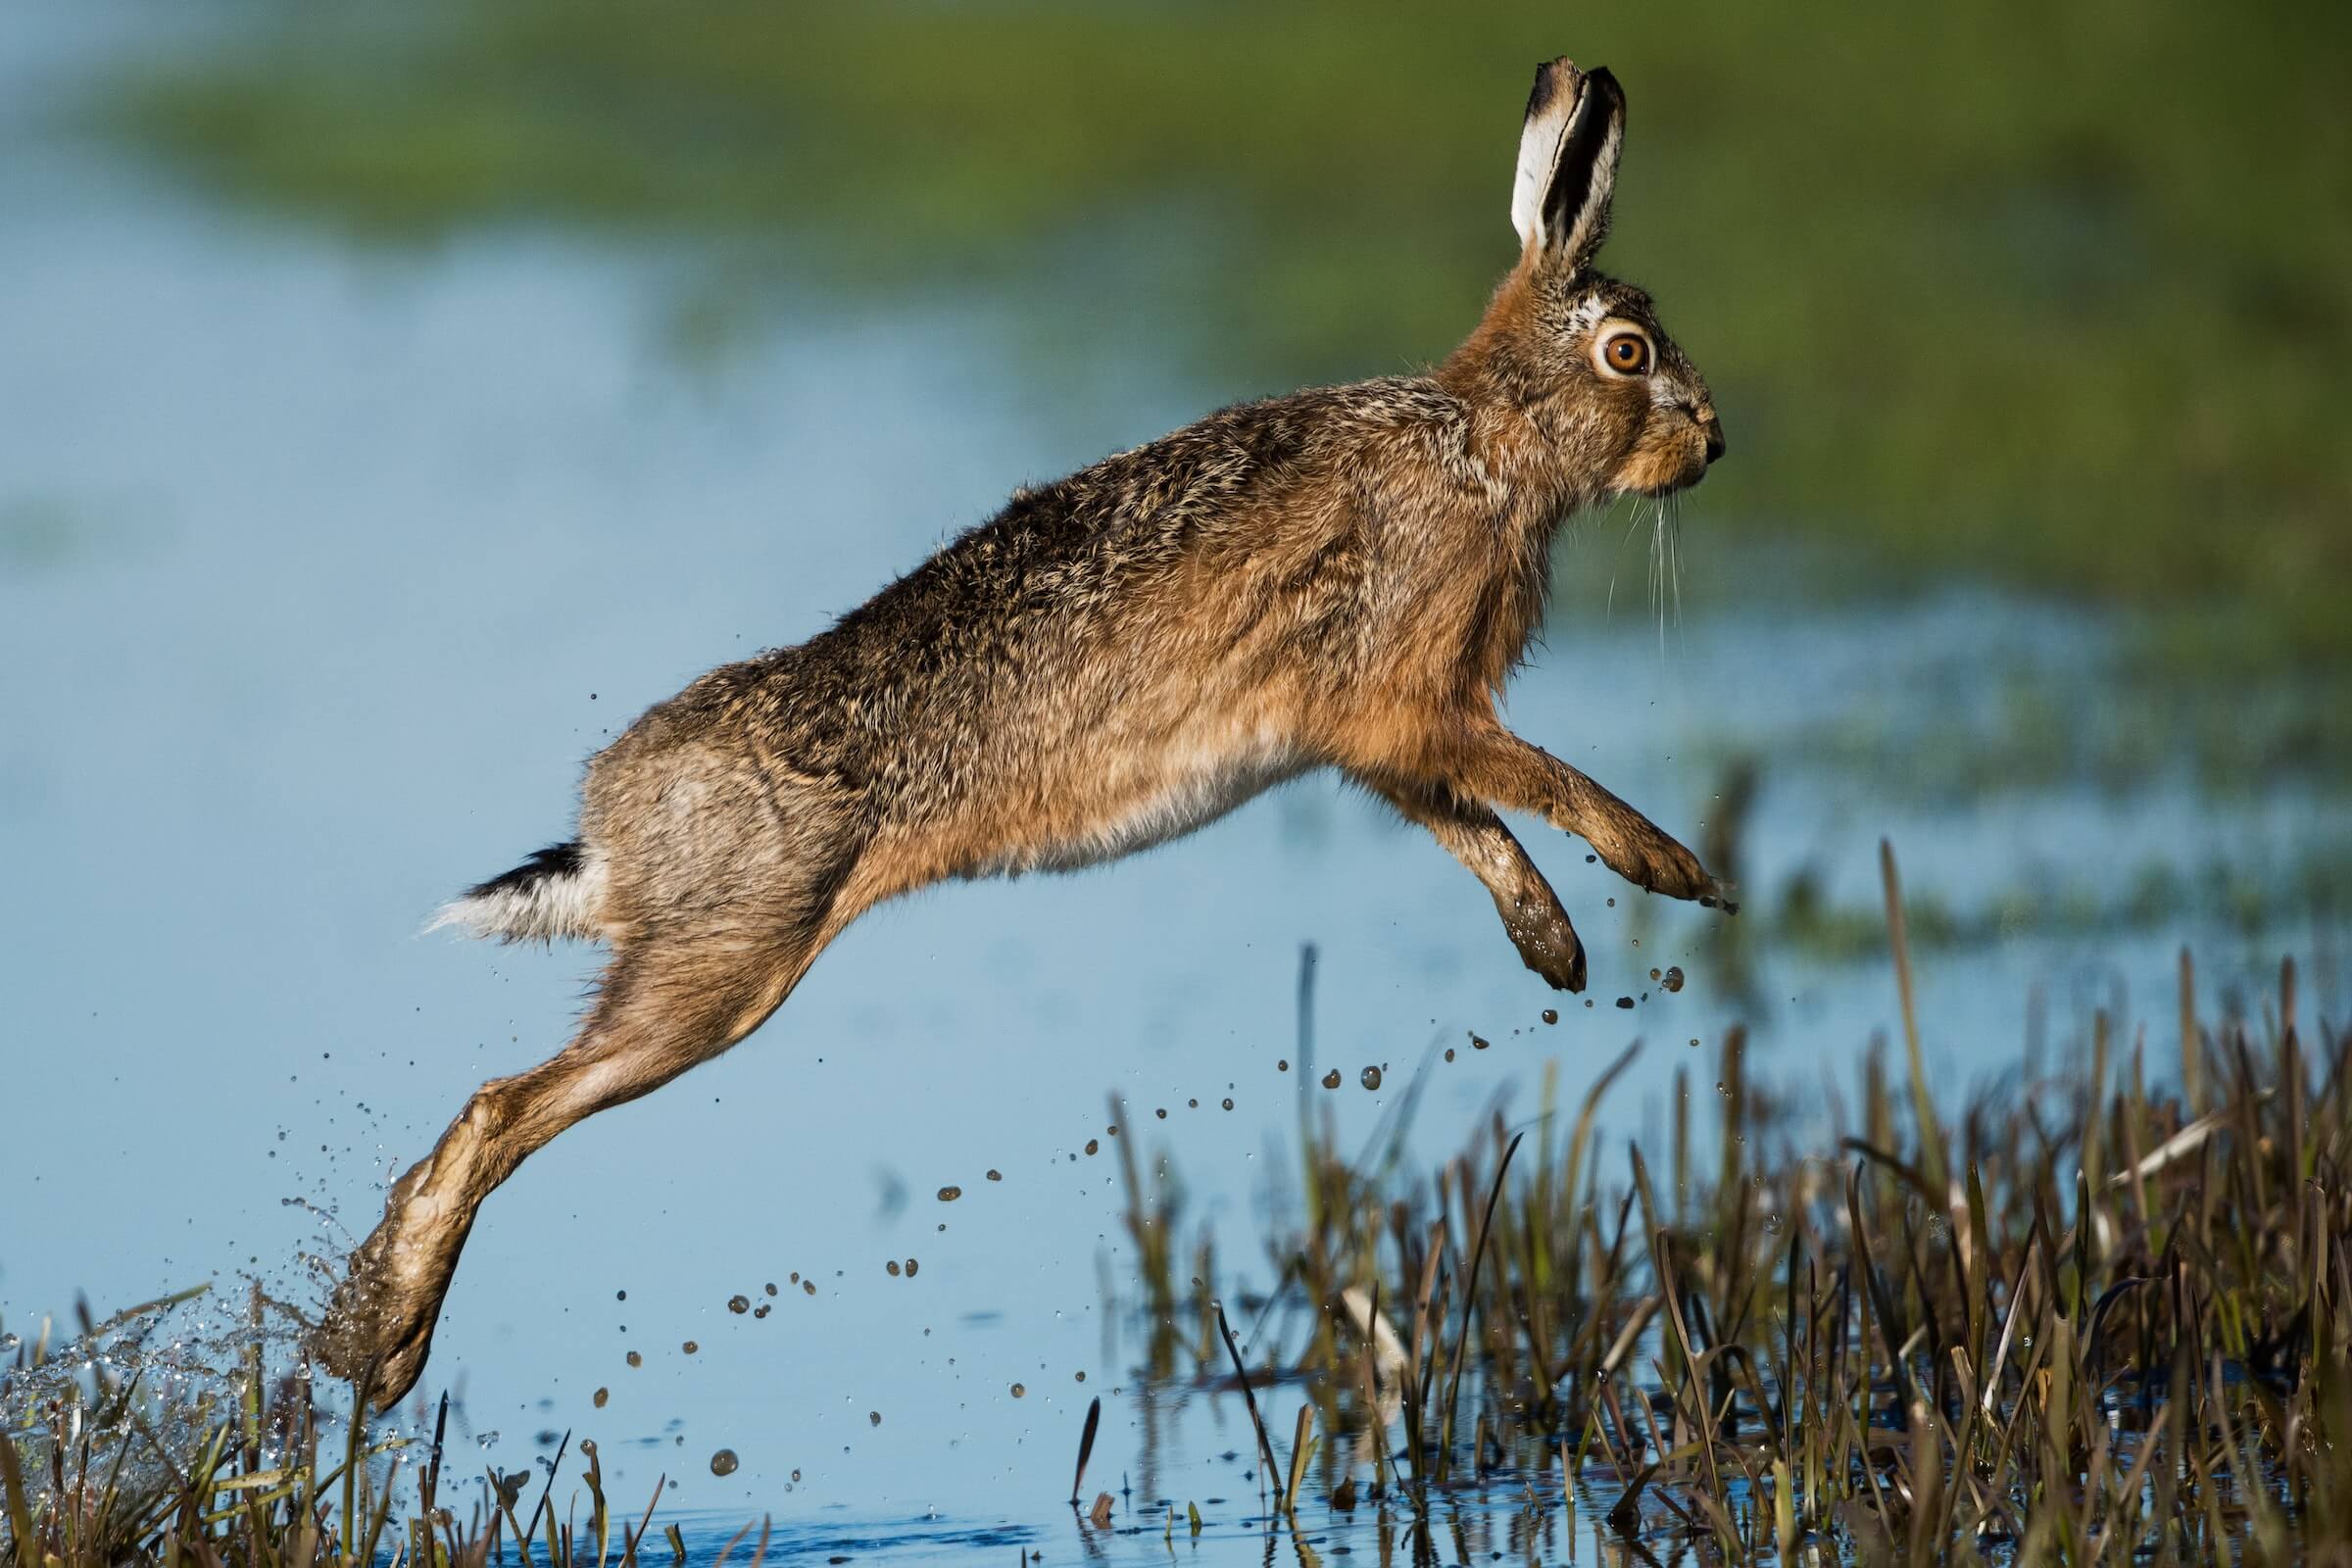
<point x="378" y="1327"/>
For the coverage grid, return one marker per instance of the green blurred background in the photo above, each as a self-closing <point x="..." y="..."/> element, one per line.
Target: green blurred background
<point x="2054" y="295"/>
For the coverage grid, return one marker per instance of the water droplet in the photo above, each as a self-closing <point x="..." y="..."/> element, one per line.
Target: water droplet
<point x="809" y="1286"/>
<point x="873" y="1418"/>
<point x="722" y="1463"/>
<point x="1449" y="1052"/>
<point x="1229" y="1103"/>
<point x="739" y="1304"/>
<point x="949" y="1195"/>
<point x="995" y="1175"/>
<point x="487" y="1440"/>
<point x="690" y="1346"/>
<point x="635" y="1359"/>
<point x="1551" y="1015"/>
<point x="602" y="1395"/>
<point x="911" y="1266"/>
<point x="1161" y="1113"/>
<point x="1371" y="1078"/>
<point x="1082" y="1377"/>
<point x="761" y="1310"/>
<point x="1674" y="978"/>
<point x="620" y="1296"/>
<point x="1092" y="1147"/>
<point x="1626" y="1003"/>
<point x="1478" y="1043"/>
<point x="1331" y="1079"/>
<point x="771" y="1286"/>
<point x="1282" y="1065"/>
<point x="1018" y="1391"/>
<point x="892" y="1266"/>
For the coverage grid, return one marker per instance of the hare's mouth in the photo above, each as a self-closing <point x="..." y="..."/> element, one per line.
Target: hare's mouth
<point x="1672" y="487"/>
<point x="1661" y="472"/>
<point x="1672" y="461"/>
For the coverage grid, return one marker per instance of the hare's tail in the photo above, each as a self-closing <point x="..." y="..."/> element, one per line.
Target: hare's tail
<point x="559" y="892"/>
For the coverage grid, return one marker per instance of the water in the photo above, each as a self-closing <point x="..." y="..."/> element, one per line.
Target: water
<point x="321" y="568"/>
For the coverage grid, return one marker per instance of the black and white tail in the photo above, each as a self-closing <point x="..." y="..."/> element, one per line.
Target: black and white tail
<point x="559" y="892"/>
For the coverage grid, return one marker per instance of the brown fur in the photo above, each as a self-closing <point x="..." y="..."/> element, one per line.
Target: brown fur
<point x="1339" y="578"/>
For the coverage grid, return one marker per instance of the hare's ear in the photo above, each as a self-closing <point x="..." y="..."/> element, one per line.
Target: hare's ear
<point x="1568" y="161"/>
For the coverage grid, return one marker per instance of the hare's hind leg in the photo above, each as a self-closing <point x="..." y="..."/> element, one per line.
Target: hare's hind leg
<point x="1475" y="836"/>
<point x="1499" y="767"/>
<point x="668" y="1002"/>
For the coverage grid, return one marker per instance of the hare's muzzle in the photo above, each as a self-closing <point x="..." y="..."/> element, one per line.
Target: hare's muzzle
<point x="1710" y="429"/>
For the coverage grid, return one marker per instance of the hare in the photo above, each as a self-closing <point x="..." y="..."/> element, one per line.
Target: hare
<point x="1340" y="578"/>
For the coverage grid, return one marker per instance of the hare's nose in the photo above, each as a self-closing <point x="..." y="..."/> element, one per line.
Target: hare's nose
<point x="1712" y="428"/>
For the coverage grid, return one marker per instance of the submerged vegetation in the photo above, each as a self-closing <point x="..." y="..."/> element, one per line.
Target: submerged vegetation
<point x="1979" y="288"/>
<point x="2093" y="1316"/>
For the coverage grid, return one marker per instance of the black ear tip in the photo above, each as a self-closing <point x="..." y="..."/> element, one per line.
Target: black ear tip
<point x="1602" y="81"/>
<point x="1546" y="87"/>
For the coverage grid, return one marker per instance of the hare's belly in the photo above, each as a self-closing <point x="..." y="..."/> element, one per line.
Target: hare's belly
<point x="1189" y="790"/>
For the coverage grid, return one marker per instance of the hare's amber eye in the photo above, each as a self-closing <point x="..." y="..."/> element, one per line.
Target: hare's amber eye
<point x="1628" y="353"/>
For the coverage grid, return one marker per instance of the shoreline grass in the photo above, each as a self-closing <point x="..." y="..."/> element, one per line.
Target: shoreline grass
<point x="212" y="1449"/>
<point x="2087" y="1318"/>
<point x="2098" y="1316"/>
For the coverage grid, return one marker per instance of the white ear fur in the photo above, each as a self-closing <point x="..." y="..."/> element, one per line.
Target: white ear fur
<point x="1550" y="107"/>
<point x="1568" y="152"/>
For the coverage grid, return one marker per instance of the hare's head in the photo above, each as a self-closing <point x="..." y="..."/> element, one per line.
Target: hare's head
<point x="1617" y="406"/>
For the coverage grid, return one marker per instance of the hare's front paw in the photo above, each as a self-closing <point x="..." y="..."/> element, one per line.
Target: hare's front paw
<point x="1651" y="859"/>
<point x="1549" y="945"/>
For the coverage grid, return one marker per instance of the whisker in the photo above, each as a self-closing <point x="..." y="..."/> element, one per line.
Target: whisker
<point x="1673" y="558"/>
<point x="1609" y="609"/>
<point x="1658" y="568"/>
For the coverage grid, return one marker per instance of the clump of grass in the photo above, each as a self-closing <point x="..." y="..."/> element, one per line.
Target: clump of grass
<point x="2087" y="1318"/>
<point x="148" y="1440"/>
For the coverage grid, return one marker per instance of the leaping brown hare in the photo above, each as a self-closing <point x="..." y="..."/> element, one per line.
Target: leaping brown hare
<point x="1339" y="578"/>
